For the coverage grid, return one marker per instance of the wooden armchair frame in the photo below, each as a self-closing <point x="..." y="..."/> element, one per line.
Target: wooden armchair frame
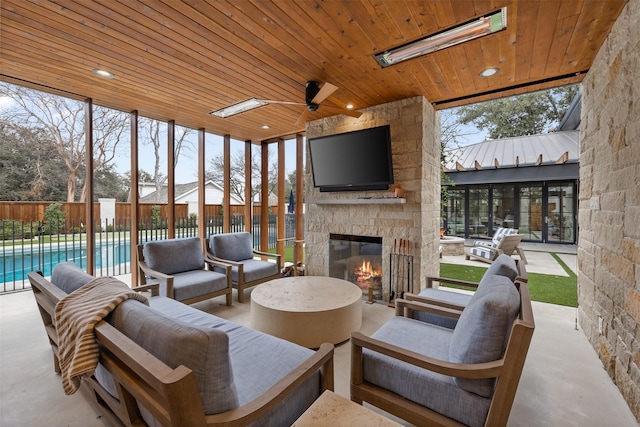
<point x="507" y="370"/>
<point x="240" y="284"/>
<point x="147" y="272"/>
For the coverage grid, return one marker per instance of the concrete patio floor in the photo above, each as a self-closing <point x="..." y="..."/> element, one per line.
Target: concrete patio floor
<point x="563" y="382"/>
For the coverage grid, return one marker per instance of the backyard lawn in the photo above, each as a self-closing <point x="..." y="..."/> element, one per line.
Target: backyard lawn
<point x="548" y="288"/>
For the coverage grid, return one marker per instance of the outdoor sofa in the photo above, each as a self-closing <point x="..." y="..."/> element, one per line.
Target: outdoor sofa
<point x="170" y="364"/>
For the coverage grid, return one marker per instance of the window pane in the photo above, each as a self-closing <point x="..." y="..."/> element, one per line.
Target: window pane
<point x="453" y="214"/>
<point x="530" y="223"/>
<point x="478" y="212"/>
<point x="560" y="227"/>
<point x="503" y="207"/>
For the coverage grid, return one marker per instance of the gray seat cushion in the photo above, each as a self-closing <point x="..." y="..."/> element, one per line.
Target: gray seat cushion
<point x="426" y="388"/>
<point x="253" y="269"/>
<point x="174" y="255"/>
<point x="483" y="327"/>
<point x="68" y="276"/>
<point x="258" y="361"/>
<point x="201" y="348"/>
<point x="191" y="284"/>
<point x="232" y="246"/>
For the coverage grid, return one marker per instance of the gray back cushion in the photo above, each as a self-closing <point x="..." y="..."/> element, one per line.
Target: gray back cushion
<point x="504" y="265"/>
<point x="68" y="276"/>
<point x="482" y="329"/>
<point x="202" y="349"/>
<point x="232" y="246"/>
<point x="174" y="255"/>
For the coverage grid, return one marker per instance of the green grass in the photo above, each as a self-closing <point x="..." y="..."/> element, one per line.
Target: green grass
<point x="548" y="288"/>
<point x="288" y="253"/>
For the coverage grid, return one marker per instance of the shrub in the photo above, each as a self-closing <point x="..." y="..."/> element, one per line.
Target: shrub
<point x="54" y="219"/>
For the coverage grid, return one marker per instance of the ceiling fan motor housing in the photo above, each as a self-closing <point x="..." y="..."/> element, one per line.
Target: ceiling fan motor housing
<point x="310" y="92"/>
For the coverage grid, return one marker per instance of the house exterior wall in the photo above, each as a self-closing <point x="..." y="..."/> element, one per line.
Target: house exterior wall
<point x="416" y="165"/>
<point x="609" y="206"/>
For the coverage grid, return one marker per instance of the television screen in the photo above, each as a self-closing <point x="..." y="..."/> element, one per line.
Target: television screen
<point x="359" y="160"/>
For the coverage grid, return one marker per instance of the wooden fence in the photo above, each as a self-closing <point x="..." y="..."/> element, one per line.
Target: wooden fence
<point x="34" y="211"/>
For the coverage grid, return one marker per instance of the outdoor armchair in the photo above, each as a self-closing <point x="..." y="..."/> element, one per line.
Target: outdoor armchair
<point x="430" y="375"/>
<point x="180" y="267"/>
<point x="504" y="241"/>
<point x="237" y="250"/>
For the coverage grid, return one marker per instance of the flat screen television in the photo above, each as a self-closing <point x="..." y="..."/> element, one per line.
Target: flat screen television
<point x="352" y="161"/>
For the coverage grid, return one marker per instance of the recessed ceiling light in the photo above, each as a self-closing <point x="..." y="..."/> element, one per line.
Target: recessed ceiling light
<point x="489" y="72"/>
<point x="103" y="73"/>
<point x="265" y="126"/>
<point x="349" y="106"/>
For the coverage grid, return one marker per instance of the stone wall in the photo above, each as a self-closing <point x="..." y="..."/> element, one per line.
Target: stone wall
<point x="609" y="210"/>
<point x="416" y="167"/>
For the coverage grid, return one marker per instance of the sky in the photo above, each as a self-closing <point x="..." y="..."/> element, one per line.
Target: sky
<point x="187" y="169"/>
<point x="187" y="163"/>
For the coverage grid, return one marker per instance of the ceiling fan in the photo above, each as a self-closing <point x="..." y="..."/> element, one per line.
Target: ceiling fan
<point x="314" y="96"/>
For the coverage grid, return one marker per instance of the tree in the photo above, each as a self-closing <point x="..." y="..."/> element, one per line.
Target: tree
<point x="528" y="114"/>
<point x="63" y="121"/>
<point x="29" y="166"/>
<point x="152" y="132"/>
<point x="215" y="173"/>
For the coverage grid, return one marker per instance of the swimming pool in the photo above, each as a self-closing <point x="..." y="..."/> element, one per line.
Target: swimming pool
<point x="17" y="262"/>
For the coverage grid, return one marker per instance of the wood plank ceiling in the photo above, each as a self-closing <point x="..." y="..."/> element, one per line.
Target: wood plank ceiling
<point x="180" y="60"/>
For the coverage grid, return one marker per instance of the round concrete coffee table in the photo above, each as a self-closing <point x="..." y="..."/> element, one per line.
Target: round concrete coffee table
<point x="307" y="310"/>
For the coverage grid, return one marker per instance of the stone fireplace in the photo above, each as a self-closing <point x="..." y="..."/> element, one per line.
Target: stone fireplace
<point x="413" y="218"/>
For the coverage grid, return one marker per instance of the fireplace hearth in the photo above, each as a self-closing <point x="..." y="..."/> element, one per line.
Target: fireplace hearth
<point x="357" y="259"/>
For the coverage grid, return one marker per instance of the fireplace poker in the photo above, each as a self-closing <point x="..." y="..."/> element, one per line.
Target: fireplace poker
<point x="393" y="272"/>
<point x="409" y="267"/>
<point x="402" y="256"/>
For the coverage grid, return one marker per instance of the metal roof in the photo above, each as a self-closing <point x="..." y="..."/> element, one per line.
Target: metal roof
<point x="523" y="151"/>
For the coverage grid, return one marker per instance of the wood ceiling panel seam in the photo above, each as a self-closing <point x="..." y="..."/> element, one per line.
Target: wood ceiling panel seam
<point x="83" y="40"/>
<point x="379" y="13"/>
<point x="247" y="57"/>
<point x="259" y="86"/>
<point x="409" y="26"/>
<point x="359" y="47"/>
<point x="177" y="56"/>
<point x="525" y="37"/>
<point x="562" y="40"/>
<point x="337" y="29"/>
<point x="543" y="40"/>
<point x="152" y="113"/>
<point x="321" y="15"/>
<point x="299" y="56"/>
<point x="460" y="62"/>
<point x="57" y="52"/>
<point x="594" y="17"/>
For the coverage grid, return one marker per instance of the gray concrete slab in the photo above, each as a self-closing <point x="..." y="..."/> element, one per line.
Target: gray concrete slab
<point x="563" y="382"/>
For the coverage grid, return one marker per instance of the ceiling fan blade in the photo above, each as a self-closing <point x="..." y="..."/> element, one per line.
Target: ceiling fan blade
<point x="270" y="101"/>
<point x="338" y="110"/>
<point x="302" y="118"/>
<point x="324" y="92"/>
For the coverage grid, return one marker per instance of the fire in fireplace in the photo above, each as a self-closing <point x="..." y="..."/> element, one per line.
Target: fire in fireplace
<point x="357" y="259"/>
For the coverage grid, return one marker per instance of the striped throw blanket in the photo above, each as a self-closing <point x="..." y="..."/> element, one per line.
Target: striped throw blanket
<point x="76" y="316"/>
